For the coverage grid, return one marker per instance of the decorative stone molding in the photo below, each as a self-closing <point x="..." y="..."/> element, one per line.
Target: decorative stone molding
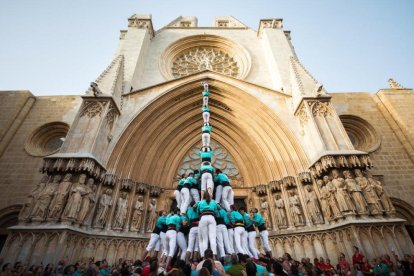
<point x="142" y="188"/>
<point x="111" y="116"/>
<point x="289" y="182"/>
<point x="126" y="184"/>
<point x="92" y="108"/>
<point x="122" y="34"/>
<point x="340" y="161"/>
<point x="82" y="165"/>
<point x="321" y="109"/>
<point x="305" y="178"/>
<point x="46" y="139"/>
<point x="303" y="115"/>
<point x="204" y="52"/>
<point x="110" y="179"/>
<point x="260" y="189"/>
<point x="275" y="23"/>
<point x="276" y="186"/>
<point x="395" y="85"/>
<point x="141" y="22"/>
<point x="155" y="191"/>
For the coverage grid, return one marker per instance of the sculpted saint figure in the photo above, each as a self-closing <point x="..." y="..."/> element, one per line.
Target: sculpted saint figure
<point x="313" y="205"/>
<point x="264" y="210"/>
<point x="121" y="211"/>
<point x="342" y="196"/>
<point x="43" y="201"/>
<point x="326" y="210"/>
<point x="58" y="202"/>
<point x="330" y="188"/>
<point x="384" y="199"/>
<point x="356" y="193"/>
<point x="105" y="203"/>
<point x="280" y="212"/>
<point x="137" y="216"/>
<point x="368" y="192"/>
<point x="88" y="198"/>
<point x="32" y="198"/>
<point x="75" y="199"/>
<point x="295" y="207"/>
<point x="152" y="215"/>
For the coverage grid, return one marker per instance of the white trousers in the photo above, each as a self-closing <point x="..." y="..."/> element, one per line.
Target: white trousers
<point x="171" y="242"/>
<point x="177" y="195"/>
<point x="185" y="200"/>
<point x="223" y="243"/>
<point x="252" y="244"/>
<point x="205" y="138"/>
<point x="264" y="236"/>
<point x="154" y="243"/>
<point x="182" y="244"/>
<point x="230" y="232"/>
<point x="227" y="197"/>
<point x="195" y="194"/>
<point x="245" y="243"/>
<point x="206" y="117"/>
<point x="238" y="239"/>
<point x="205" y="101"/>
<point x="207" y="181"/>
<point x="207" y="233"/>
<point x="219" y="192"/>
<point x="193" y="240"/>
<point x="163" y="243"/>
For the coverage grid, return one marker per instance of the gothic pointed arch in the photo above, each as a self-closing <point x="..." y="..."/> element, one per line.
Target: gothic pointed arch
<point x="155" y="141"/>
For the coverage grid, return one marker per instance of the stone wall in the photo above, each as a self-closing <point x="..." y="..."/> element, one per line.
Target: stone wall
<point x="19" y="171"/>
<point x="391" y="159"/>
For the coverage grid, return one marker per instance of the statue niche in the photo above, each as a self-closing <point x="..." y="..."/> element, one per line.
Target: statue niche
<point x="59" y="200"/>
<point x="104" y="205"/>
<point x="40" y="209"/>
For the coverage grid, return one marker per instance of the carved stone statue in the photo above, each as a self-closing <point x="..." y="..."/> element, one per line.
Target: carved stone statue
<point x="59" y="200"/>
<point x="121" y="211"/>
<point x="137" y="216"/>
<point x="385" y="200"/>
<point x="313" y="205"/>
<point x="369" y="193"/>
<point x="326" y="210"/>
<point x="280" y="212"/>
<point x="295" y="208"/>
<point x="32" y="198"/>
<point x="88" y="198"/>
<point x="40" y="209"/>
<point x="105" y="203"/>
<point x="330" y="188"/>
<point x="75" y="199"/>
<point x="356" y="193"/>
<point x="342" y="196"/>
<point x="151" y="214"/>
<point x="264" y="211"/>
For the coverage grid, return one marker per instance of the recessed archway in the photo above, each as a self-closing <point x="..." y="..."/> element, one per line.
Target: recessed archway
<point x="152" y="146"/>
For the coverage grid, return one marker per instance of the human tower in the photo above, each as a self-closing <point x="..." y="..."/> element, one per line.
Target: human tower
<point x="200" y="222"/>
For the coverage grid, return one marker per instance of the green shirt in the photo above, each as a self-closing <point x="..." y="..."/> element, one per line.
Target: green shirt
<point x="206" y="93"/>
<point x="192" y="214"/>
<point x="206" y="154"/>
<point x="235" y="216"/>
<point x="247" y="221"/>
<point x="206" y="168"/>
<point x="174" y="219"/>
<point x="203" y="206"/>
<point x="190" y="180"/>
<point x="258" y="219"/>
<point x="205" y="109"/>
<point x="221" y="178"/>
<point x="160" y="222"/>
<point x="235" y="270"/>
<point x="206" y="129"/>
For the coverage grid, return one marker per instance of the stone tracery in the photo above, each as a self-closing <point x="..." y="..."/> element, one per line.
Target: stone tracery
<point x="204" y="58"/>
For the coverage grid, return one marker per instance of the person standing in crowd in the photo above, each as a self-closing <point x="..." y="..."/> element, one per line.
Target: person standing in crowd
<point x="182" y="235"/>
<point x="237" y="221"/>
<point x="195" y="187"/>
<point x="357" y="258"/>
<point x="343" y="265"/>
<point x="223" y="243"/>
<point x="193" y="219"/>
<point x="260" y="223"/>
<point x="251" y="233"/>
<point x="207" y="183"/>
<point x="177" y="192"/>
<point x="226" y="193"/>
<point x="173" y="222"/>
<point x="230" y="232"/>
<point x="185" y="192"/>
<point x="207" y="208"/>
<point x="155" y="240"/>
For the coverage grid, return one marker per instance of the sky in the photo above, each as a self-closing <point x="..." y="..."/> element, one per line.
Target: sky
<point x="57" y="47"/>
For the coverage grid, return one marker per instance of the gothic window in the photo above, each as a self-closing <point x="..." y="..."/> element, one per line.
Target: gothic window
<point x="47" y="139"/>
<point x="361" y="133"/>
<point x="204" y="58"/>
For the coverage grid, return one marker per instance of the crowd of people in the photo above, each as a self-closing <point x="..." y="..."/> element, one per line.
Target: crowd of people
<point x="231" y="265"/>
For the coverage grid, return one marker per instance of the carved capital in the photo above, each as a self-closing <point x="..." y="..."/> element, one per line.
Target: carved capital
<point x="110" y="179"/>
<point x="260" y="189"/>
<point x="305" y="177"/>
<point x="92" y="108"/>
<point x="139" y="22"/>
<point x="320" y="109"/>
<point x="289" y="182"/>
<point x="276" y="185"/>
<point x="325" y="163"/>
<point x="83" y="165"/>
<point x="155" y="191"/>
<point x="126" y="184"/>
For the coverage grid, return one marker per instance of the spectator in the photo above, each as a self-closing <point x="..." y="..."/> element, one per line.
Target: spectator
<point x="208" y="255"/>
<point x="48" y="270"/>
<point x="357" y="258"/>
<point x="380" y="268"/>
<point x="6" y="270"/>
<point x="237" y="265"/>
<point x="251" y="269"/>
<point x="343" y="265"/>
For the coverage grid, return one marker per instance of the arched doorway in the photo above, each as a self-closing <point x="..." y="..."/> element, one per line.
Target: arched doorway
<point x="405" y="211"/>
<point x="8" y="218"/>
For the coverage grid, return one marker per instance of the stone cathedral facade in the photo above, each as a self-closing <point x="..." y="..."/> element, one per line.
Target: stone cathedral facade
<point x="84" y="176"/>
